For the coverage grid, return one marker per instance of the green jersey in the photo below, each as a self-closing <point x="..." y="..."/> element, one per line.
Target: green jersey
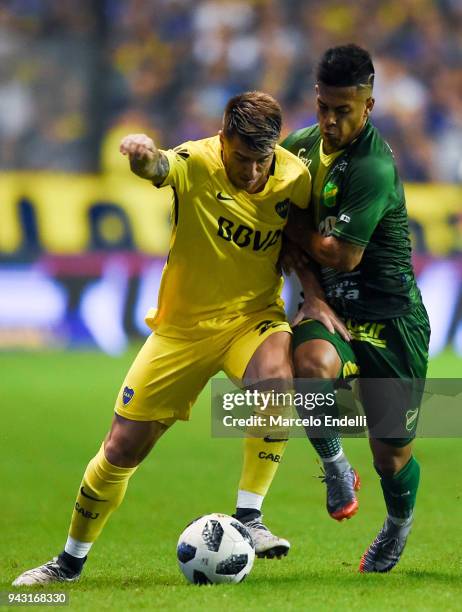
<point x="357" y="196"/>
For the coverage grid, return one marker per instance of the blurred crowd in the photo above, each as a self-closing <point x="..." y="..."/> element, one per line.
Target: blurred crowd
<point x="74" y="73"/>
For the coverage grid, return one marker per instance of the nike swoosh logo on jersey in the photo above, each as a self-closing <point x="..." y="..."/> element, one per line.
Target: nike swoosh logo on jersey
<point x="222" y="197"/>
<point x="90" y="497"/>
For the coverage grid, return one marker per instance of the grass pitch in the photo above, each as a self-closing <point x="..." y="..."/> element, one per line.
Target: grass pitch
<point x="56" y="407"/>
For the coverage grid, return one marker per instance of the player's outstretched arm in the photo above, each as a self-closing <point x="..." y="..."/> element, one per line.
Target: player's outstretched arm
<point x="146" y="161"/>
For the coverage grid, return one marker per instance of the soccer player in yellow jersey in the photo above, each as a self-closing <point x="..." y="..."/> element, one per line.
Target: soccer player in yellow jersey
<point x="219" y="308"/>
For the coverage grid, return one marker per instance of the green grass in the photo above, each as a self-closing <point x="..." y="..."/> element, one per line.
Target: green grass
<point x="56" y="408"/>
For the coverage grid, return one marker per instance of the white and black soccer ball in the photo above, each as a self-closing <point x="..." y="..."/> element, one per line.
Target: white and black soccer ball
<point x="215" y="548"/>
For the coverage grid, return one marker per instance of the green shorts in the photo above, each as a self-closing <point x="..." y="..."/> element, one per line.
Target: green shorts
<point x="309" y="329"/>
<point x="388" y="349"/>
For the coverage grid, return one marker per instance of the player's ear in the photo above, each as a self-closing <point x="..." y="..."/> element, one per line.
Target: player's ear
<point x="369" y="105"/>
<point x="220" y="134"/>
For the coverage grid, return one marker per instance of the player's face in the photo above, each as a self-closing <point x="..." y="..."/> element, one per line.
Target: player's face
<point x="342" y="112"/>
<point x="246" y="169"/>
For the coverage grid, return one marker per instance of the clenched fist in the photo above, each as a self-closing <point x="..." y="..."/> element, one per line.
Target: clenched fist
<point x="138" y="146"/>
<point x="142" y="153"/>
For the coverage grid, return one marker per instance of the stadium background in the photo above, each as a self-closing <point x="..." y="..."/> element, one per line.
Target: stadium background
<point x="82" y="244"/>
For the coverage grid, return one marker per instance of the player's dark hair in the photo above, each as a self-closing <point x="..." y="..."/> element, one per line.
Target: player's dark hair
<point x="256" y="118"/>
<point x="346" y="66"/>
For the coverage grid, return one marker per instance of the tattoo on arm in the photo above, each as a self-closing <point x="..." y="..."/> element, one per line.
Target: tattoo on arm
<point x="160" y="168"/>
<point x="155" y="170"/>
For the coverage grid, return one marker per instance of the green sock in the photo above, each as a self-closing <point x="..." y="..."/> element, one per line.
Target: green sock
<point x="325" y="440"/>
<point x="400" y="490"/>
<point x="327" y="447"/>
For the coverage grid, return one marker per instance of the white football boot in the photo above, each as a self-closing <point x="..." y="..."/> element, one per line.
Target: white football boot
<point x="46" y="573"/>
<point x="266" y="543"/>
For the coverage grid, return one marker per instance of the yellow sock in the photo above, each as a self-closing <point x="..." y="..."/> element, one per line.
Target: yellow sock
<point x="261" y="460"/>
<point x="101" y="492"/>
<point x="265" y="446"/>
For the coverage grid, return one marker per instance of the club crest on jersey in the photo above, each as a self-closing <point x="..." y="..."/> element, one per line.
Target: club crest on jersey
<point x="127" y="395"/>
<point x="282" y="208"/>
<point x="329" y="194"/>
<point x="411" y="418"/>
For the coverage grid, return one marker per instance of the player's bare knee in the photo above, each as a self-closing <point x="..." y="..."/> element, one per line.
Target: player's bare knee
<point x="272" y="360"/>
<point x="316" y="363"/>
<point x="277" y="367"/>
<point x="388" y="459"/>
<point x="129" y="442"/>
<point x="386" y="466"/>
<point x="121" y="452"/>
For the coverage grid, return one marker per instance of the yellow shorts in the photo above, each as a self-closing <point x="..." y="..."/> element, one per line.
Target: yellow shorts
<point x="168" y="374"/>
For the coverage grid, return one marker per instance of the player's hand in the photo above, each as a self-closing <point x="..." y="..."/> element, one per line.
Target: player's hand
<point x="319" y="310"/>
<point x="142" y="153"/>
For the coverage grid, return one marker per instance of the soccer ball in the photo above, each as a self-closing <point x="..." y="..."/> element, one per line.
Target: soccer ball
<point x="215" y="548"/>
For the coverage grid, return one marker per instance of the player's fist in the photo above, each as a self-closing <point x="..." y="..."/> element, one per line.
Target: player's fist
<point x="138" y="147"/>
<point x="142" y="153"/>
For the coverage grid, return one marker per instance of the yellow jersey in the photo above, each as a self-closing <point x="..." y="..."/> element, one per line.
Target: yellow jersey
<point x="225" y="242"/>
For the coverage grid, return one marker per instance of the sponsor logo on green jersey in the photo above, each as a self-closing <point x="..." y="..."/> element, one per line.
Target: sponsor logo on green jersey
<point x="363" y="332"/>
<point x="329" y="194"/>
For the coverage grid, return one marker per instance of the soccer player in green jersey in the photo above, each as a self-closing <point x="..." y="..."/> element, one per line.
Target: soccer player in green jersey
<point x="357" y="233"/>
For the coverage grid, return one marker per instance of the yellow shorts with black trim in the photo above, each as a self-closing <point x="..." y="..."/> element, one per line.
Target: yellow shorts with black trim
<point x="168" y="374"/>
